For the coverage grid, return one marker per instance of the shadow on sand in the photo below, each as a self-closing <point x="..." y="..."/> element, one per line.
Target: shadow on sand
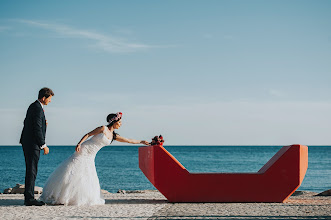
<point x="20" y="202"/>
<point x="135" y="201"/>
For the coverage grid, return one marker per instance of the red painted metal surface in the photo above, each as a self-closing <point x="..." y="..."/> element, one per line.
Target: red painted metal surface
<point x="274" y="182"/>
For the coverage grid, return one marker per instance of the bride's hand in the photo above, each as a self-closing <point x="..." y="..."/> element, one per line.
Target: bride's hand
<point x="78" y="147"/>
<point x="145" y="142"/>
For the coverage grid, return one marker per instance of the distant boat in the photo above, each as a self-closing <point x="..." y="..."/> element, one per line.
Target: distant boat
<point x="274" y="182"/>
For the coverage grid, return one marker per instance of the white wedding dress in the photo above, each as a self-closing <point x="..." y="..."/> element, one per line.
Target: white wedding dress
<point x="75" y="180"/>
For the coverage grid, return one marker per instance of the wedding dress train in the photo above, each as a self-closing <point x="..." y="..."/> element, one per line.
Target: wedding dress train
<point x="75" y="180"/>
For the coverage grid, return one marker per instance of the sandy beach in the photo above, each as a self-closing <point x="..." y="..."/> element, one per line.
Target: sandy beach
<point x="153" y="205"/>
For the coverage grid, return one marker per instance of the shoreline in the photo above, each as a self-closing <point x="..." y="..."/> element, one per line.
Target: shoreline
<point x="151" y="204"/>
<point x="146" y="190"/>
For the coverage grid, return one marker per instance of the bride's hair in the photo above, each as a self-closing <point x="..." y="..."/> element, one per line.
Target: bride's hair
<point x="110" y="116"/>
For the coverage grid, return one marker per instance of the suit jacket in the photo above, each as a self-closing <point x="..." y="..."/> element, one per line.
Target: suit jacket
<point x="34" y="130"/>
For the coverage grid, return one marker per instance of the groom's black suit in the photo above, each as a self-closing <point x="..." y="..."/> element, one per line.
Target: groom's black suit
<point x="32" y="139"/>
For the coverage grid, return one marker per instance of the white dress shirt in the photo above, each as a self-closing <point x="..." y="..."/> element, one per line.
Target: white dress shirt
<point x="42" y="147"/>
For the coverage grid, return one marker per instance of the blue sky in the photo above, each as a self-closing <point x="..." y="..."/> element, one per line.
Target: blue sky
<point x="198" y="72"/>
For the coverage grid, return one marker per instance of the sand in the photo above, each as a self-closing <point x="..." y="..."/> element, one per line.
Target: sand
<point x="153" y="205"/>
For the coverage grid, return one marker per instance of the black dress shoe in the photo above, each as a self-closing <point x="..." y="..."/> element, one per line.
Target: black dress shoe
<point x="34" y="202"/>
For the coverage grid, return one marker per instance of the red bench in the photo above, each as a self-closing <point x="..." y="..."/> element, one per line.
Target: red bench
<point x="274" y="182"/>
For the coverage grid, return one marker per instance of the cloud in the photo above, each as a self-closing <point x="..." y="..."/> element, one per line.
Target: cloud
<point x="101" y="41"/>
<point x="212" y="36"/>
<point x="208" y="36"/>
<point x="276" y="93"/>
<point x="4" y="28"/>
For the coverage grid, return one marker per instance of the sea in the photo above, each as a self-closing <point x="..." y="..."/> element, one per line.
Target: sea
<point x="118" y="168"/>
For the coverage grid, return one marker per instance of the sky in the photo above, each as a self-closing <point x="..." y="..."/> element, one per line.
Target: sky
<point x="197" y="72"/>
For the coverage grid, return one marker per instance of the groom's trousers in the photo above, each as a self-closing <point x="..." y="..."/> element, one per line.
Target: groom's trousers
<point x="31" y="163"/>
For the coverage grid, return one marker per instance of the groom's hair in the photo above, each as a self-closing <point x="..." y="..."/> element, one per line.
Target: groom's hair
<point x="45" y="92"/>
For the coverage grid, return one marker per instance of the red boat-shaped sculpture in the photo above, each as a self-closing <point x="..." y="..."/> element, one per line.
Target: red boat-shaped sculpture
<point x="274" y="182"/>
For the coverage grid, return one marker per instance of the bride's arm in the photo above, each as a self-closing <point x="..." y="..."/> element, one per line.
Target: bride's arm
<point x="86" y="136"/>
<point x="130" y="141"/>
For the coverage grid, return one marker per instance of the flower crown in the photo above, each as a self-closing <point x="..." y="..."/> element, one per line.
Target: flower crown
<point x="117" y="117"/>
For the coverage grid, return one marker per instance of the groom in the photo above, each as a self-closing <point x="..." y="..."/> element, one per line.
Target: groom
<point x="33" y="140"/>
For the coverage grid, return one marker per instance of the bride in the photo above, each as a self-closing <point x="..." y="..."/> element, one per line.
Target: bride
<point x="75" y="180"/>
